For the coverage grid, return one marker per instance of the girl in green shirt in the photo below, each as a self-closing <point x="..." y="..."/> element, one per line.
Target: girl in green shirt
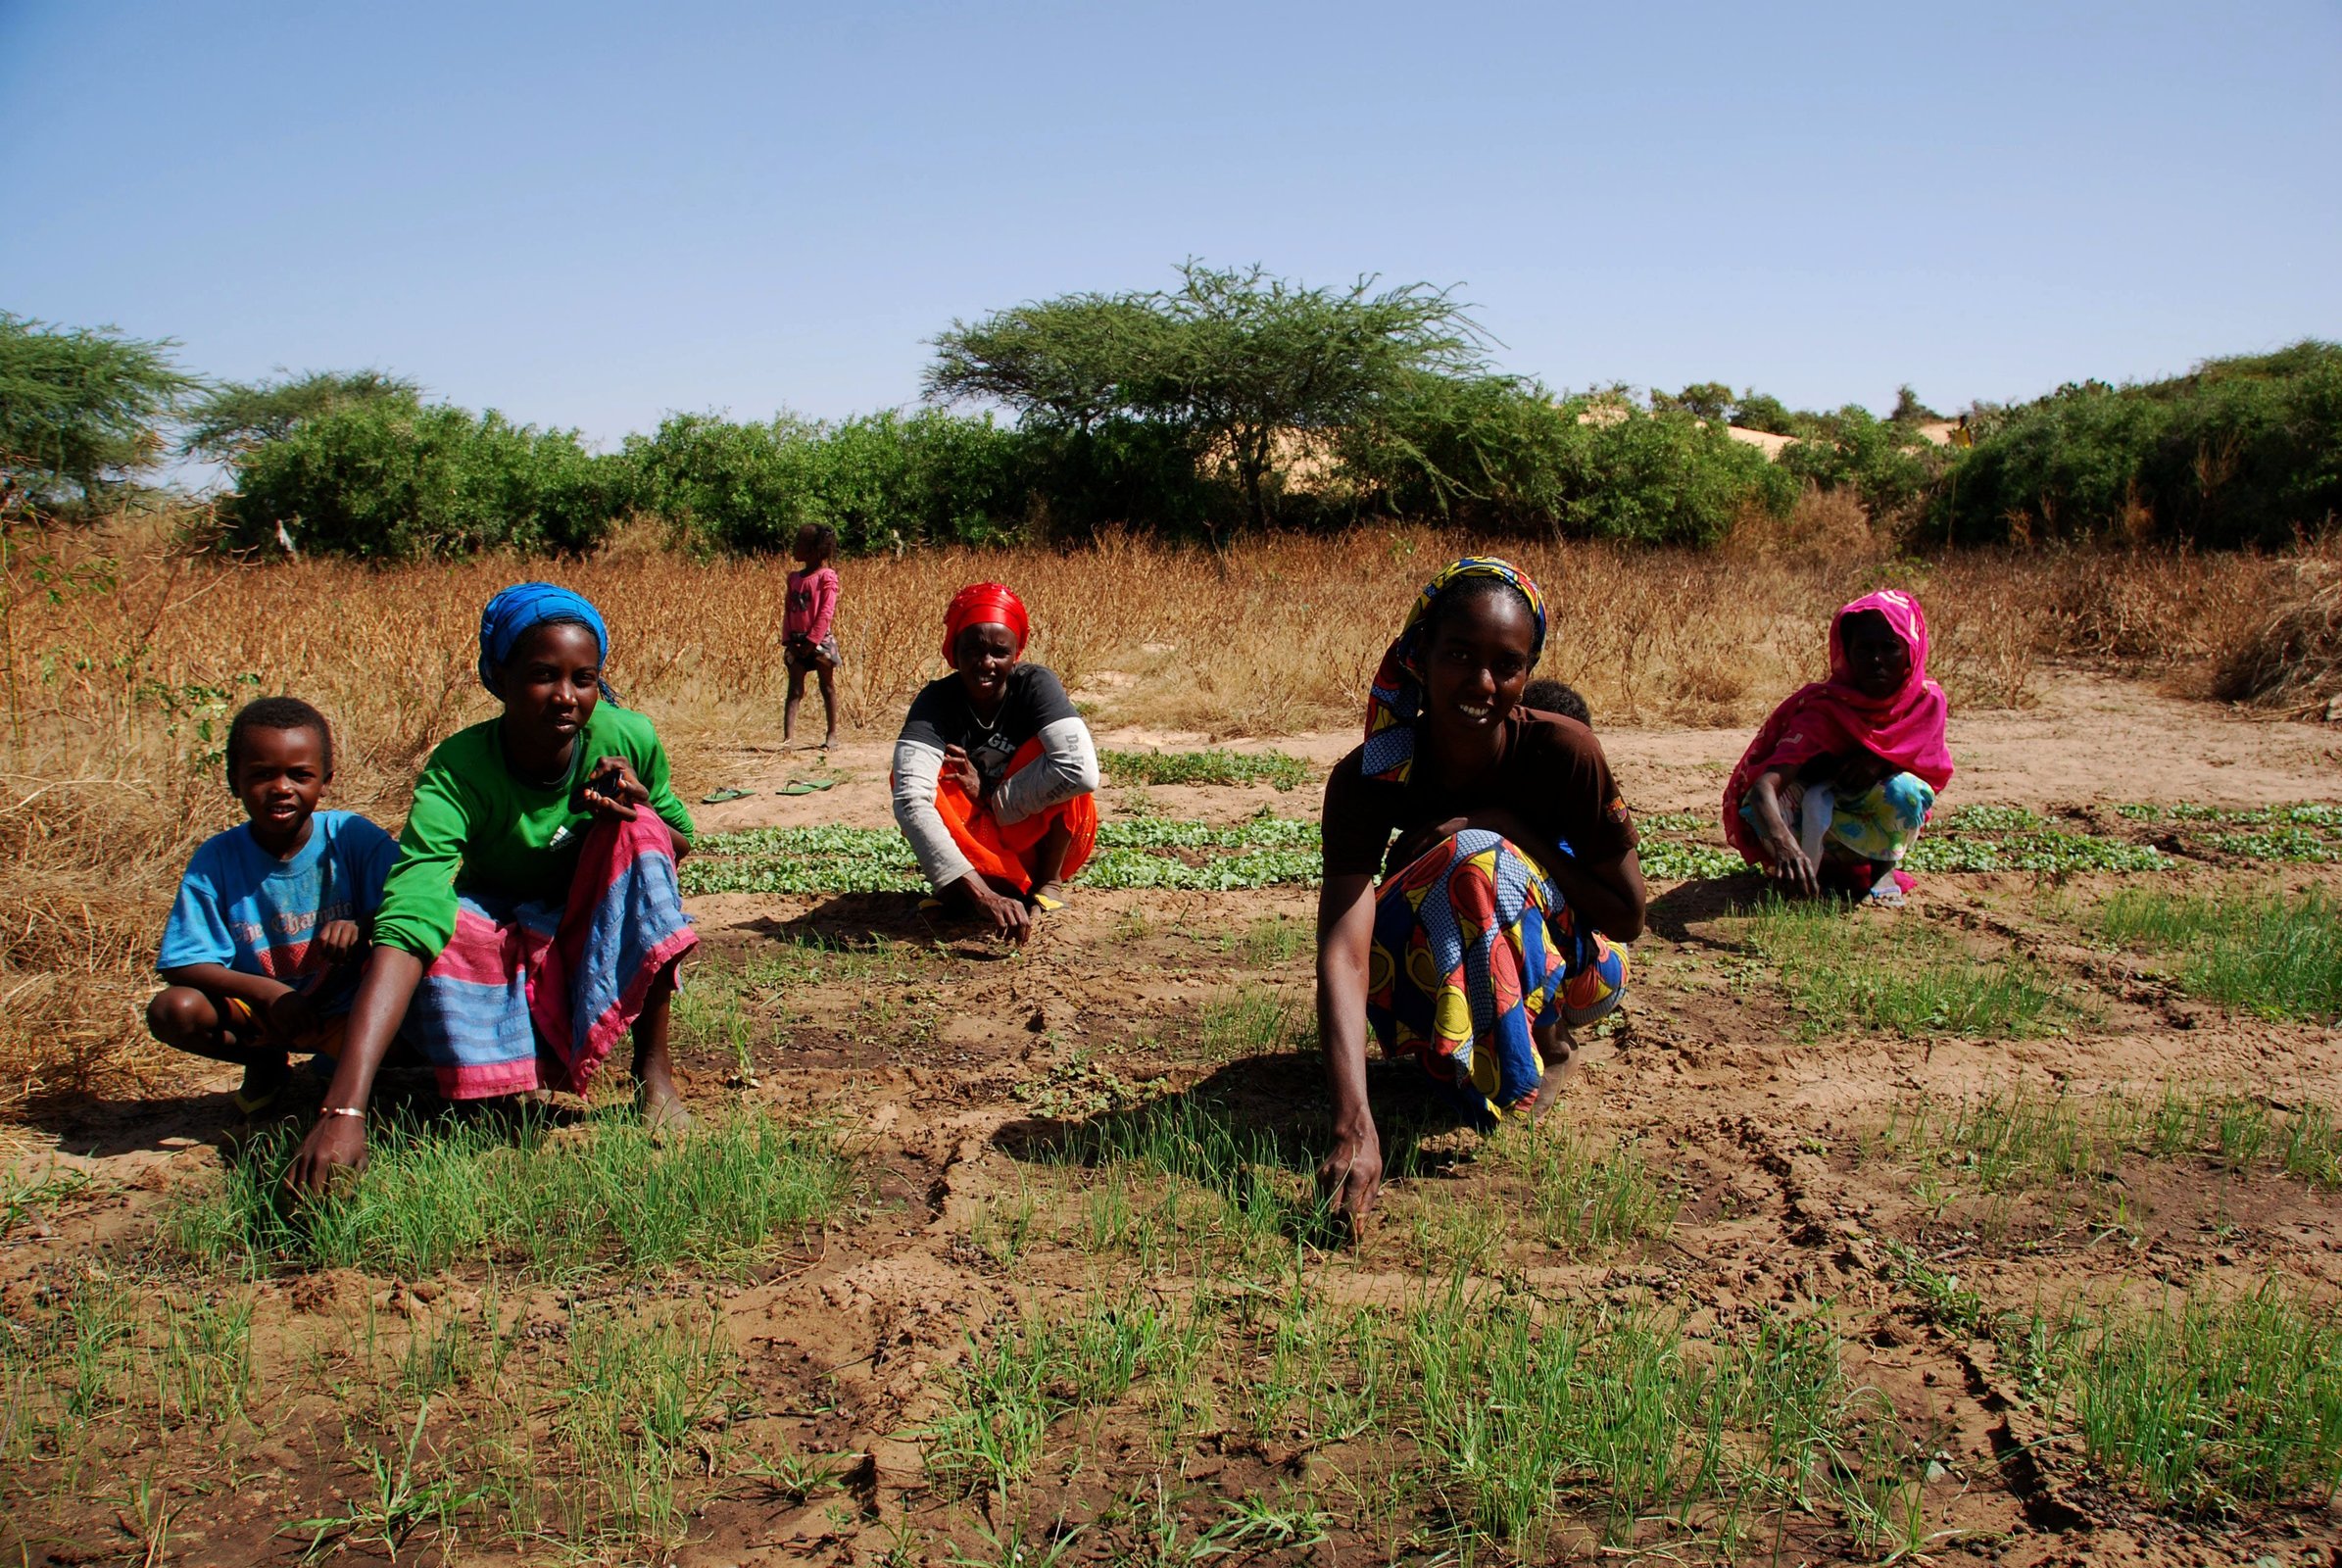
<point x="533" y="914"/>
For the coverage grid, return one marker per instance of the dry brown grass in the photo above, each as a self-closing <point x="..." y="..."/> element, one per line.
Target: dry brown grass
<point x="120" y="695"/>
<point x="2289" y="659"/>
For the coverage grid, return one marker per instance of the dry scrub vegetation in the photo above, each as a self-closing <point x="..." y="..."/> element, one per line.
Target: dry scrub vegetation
<point x="124" y="656"/>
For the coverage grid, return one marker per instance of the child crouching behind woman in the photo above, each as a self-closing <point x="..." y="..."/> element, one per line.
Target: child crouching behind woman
<point x="259" y="947"/>
<point x="1555" y="697"/>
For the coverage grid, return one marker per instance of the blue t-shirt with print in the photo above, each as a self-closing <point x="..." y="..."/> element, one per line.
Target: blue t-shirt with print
<point x="241" y="907"/>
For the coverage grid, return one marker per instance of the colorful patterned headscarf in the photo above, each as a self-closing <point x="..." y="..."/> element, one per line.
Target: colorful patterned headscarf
<point x="1833" y="718"/>
<point x="981" y="604"/>
<point x="520" y="610"/>
<point x="1395" y="699"/>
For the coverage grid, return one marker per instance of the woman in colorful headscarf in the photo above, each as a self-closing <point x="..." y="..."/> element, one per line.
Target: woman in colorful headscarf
<point x="1513" y="871"/>
<point x="533" y="915"/>
<point x="995" y="774"/>
<point x="1840" y="780"/>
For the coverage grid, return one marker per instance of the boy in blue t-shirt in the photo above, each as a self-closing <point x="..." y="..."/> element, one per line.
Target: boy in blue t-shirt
<point x="270" y="916"/>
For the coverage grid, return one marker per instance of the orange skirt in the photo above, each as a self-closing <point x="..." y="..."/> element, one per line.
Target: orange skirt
<point x="1002" y="852"/>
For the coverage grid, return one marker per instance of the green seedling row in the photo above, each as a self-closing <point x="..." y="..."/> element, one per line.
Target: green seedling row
<point x="1269" y="851"/>
<point x="1274" y="768"/>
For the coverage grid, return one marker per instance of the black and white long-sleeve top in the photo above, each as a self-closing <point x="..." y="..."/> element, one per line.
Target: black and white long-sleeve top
<point x="1035" y="704"/>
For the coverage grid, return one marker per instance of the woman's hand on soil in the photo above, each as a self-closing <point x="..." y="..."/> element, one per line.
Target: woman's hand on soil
<point x="612" y="791"/>
<point x="960" y="769"/>
<point x="1794" y="872"/>
<point x="1009" y="918"/>
<point x="1350" y="1177"/>
<point x="333" y="1151"/>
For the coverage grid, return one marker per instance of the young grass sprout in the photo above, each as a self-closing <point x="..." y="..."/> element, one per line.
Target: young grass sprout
<point x="1903" y="975"/>
<point x="599" y="1196"/>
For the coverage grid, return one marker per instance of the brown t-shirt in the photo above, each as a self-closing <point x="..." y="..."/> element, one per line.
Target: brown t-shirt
<point x="1552" y="775"/>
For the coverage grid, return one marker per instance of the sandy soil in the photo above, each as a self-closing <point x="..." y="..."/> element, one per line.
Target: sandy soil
<point x="846" y="1342"/>
<point x="2090" y="738"/>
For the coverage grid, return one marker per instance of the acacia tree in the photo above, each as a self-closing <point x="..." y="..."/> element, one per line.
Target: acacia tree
<point x="1230" y="360"/>
<point x="81" y="409"/>
<point x="232" y="418"/>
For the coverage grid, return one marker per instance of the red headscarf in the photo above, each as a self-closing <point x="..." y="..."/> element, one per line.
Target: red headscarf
<point x="1833" y="718"/>
<point x="981" y="604"/>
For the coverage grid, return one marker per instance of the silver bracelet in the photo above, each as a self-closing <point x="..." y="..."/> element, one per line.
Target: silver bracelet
<point x="340" y="1110"/>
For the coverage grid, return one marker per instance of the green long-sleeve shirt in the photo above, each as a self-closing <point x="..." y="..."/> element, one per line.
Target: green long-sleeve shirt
<point x="477" y="828"/>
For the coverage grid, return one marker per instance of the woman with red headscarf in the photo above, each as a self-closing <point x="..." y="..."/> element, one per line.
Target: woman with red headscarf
<point x="995" y="774"/>
<point x="1835" y="787"/>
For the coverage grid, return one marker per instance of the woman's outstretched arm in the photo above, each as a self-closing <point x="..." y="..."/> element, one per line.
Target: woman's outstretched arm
<point x="338" y="1141"/>
<point x="417" y="920"/>
<point x="918" y="770"/>
<point x="1790" y="867"/>
<point x="1351" y="1175"/>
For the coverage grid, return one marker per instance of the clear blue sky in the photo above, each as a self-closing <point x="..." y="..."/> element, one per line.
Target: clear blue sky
<point x="590" y="214"/>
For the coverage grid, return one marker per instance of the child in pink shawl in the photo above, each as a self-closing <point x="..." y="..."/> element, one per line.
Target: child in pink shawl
<point x="1836" y="785"/>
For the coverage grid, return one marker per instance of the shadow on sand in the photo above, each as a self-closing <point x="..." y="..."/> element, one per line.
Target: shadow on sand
<point x="1258" y="1114"/>
<point x="1675" y="914"/>
<point x="855" y="922"/>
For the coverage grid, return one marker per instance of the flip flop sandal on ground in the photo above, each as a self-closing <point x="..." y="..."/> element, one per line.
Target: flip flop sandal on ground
<point x="251" y="1101"/>
<point x="1046" y="904"/>
<point x="721" y="796"/>
<point x="806" y="786"/>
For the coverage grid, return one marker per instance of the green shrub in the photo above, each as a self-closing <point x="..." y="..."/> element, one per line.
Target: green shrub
<point x="1661" y="479"/>
<point x="1123" y="472"/>
<point x="2241" y="452"/>
<point x="1503" y="454"/>
<point x="1887" y="462"/>
<point x="743" y="488"/>
<point x="1703" y="400"/>
<point x="391" y="481"/>
<point x="880" y="480"/>
<point x="1760" y="411"/>
<point x="234" y="417"/>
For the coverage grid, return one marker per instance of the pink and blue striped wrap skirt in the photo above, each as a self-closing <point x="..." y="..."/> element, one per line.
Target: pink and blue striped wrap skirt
<point x="534" y="995"/>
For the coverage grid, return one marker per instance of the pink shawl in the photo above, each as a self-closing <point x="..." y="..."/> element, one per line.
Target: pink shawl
<point x="1832" y="717"/>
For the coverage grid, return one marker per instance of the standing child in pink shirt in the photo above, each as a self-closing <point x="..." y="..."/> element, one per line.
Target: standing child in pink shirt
<point x="806" y="641"/>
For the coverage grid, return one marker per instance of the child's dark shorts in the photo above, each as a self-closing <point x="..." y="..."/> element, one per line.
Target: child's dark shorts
<point x="803" y="658"/>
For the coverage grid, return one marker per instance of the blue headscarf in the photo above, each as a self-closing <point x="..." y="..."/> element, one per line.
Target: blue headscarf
<point x="524" y="606"/>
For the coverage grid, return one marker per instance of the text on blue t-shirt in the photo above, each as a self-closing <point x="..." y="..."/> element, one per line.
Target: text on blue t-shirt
<point x="243" y="908"/>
